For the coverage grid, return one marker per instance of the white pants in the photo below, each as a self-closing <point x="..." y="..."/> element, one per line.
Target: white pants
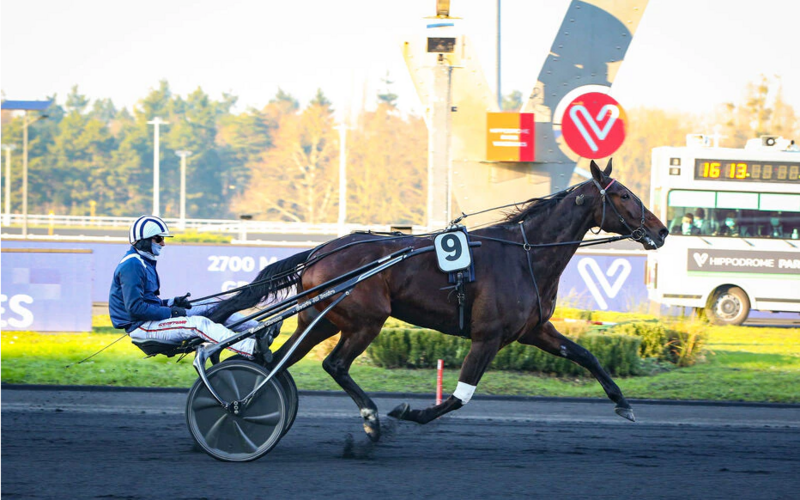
<point x="176" y="330"/>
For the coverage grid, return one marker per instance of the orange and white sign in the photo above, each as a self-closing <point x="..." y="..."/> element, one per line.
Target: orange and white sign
<point x="509" y="137"/>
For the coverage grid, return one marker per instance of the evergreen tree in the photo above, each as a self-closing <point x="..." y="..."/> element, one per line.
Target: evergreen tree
<point x="387" y="96"/>
<point x="320" y="100"/>
<point x="286" y="100"/>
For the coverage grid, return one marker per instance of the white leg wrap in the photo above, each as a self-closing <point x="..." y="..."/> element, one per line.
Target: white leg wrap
<point x="464" y="392"/>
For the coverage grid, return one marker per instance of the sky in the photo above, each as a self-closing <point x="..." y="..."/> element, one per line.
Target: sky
<point x="686" y="55"/>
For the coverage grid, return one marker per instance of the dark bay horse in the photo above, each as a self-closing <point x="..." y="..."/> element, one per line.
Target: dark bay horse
<point x="502" y="304"/>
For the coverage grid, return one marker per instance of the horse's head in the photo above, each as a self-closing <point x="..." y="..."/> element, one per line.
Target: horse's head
<point x="622" y="212"/>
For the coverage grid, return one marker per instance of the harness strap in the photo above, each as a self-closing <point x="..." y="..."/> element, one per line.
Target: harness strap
<point x="527" y="248"/>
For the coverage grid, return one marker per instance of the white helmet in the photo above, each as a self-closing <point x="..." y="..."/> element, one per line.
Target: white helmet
<point x="146" y="227"/>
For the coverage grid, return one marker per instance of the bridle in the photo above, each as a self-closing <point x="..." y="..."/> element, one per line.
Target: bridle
<point x="637" y="234"/>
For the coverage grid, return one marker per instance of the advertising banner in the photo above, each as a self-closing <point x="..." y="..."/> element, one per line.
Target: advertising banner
<point x="46" y="290"/>
<point x="509" y="137"/>
<point x="743" y="261"/>
<point x="590" y="281"/>
<point x="201" y="269"/>
<point x="605" y="282"/>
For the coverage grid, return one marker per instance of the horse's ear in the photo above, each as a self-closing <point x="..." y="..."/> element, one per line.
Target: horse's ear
<point x="596" y="173"/>
<point x="607" y="171"/>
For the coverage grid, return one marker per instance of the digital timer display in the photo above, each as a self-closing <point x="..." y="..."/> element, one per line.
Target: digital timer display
<point x="747" y="170"/>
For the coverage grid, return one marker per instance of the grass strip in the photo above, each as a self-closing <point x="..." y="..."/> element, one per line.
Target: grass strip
<point x="742" y="364"/>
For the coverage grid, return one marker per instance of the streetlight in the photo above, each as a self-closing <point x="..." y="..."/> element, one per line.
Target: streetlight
<point x="183" y="154"/>
<point x="8" y="148"/>
<point x="26" y="106"/>
<point x="157" y="121"/>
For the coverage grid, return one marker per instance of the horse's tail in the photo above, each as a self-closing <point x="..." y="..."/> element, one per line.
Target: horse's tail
<point x="272" y="279"/>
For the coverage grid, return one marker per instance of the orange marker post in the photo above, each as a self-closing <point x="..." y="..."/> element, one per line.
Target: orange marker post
<point x="439" y="373"/>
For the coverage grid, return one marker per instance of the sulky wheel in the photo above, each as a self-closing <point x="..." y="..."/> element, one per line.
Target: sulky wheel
<point x="290" y="390"/>
<point x="255" y="430"/>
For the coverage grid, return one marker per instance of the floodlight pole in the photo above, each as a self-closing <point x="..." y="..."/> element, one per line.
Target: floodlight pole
<point x="183" y="154"/>
<point x="157" y="121"/>
<point x="8" y="148"/>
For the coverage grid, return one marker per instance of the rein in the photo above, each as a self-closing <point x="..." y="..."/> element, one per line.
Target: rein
<point x="313" y="260"/>
<point x="635" y="234"/>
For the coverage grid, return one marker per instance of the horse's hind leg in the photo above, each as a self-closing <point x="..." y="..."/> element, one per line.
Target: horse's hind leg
<point x="338" y="363"/>
<point x="548" y="339"/>
<point x="475" y="364"/>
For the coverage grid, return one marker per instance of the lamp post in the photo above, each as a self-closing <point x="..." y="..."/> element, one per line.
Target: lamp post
<point x="26" y="106"/>
<point x="183" y="154"/>
<point x="157" y="121"/>
<point x="8" y="148"/>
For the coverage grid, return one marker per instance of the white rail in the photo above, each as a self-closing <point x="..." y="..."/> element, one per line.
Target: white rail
<point x="201" y="225"/>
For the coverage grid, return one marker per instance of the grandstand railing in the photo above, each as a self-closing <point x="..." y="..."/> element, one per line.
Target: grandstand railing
<point x="203" y="225"/>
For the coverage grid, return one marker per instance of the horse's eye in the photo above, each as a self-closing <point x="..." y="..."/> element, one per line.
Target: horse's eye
<point x="625" y="196"/>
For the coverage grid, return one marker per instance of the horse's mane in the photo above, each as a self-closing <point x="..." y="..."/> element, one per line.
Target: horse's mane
<point x="537" y="205"/>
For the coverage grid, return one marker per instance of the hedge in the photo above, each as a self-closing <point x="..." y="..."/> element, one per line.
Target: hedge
<point x="679" y="343"/>
<point x="420" y="348"/>
<point x="653" y="334"/>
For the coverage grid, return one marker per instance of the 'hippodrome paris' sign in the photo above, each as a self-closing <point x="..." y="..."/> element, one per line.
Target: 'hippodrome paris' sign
<point x="743" y="261"/>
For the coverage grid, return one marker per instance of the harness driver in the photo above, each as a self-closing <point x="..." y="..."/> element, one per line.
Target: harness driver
<point x="134" y="304"/>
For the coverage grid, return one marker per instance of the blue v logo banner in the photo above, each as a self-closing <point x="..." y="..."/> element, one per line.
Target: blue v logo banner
<point x="607" y="283"/>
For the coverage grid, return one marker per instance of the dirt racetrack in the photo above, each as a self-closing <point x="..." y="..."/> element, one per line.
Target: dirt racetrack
<point x="135" y="444"/>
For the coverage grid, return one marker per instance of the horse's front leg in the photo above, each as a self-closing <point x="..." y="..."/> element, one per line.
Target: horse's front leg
<point x="548" y="339"/>
<point x="475" y="364"/>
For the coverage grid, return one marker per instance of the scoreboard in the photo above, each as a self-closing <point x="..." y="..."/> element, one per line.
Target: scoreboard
<point x="746" y="170"/>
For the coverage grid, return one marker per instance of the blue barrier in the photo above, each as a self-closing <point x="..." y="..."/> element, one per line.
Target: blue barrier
<point x="202" y="269"/>
<point x="46" y="291"/>
<point x="591" y="281"/>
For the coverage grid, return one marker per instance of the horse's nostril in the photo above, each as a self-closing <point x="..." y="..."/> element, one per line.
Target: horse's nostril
<point x="663" y="233"/>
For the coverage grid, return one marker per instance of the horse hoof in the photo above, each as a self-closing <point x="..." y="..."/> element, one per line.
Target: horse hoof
<point x="372" y="425"/>
<point x="373" y="431"/>
<point x="625" y="413"/>
<point x="400" y="412"/>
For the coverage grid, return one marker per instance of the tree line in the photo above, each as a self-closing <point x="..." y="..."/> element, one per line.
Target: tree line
<point x="281" y="162"/>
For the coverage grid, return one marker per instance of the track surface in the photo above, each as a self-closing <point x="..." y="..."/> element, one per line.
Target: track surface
<point x="134" y="444"/>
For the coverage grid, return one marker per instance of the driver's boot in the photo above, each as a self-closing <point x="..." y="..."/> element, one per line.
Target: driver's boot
<point x="264" y="336"/>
